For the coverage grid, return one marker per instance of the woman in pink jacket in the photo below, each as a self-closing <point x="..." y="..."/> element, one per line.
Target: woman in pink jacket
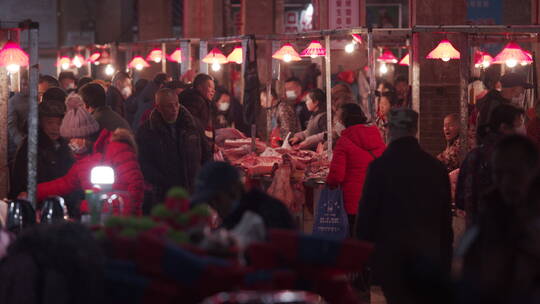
<point x="358" y="145"/>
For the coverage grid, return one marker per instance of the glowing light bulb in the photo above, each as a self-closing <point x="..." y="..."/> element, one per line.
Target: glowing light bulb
<point x="486" y="64"/>
<point x="349" y="48"/>
<point x="157" y="59"/>
<point x="109" y="70"/>
<point x="138" y="67"/>
<point x="13" y="68"/>
<point x="216" y="66"/>
<point x="77" y="62"/>
<point x="287" y="58"/>
<point x="511" y="63"/>
<point x="524" y="63"/>
<point x="96" y="63"/>
<point x="313" y="56"/>
<point x="445" y="59"/>
<point x="383" y="69"/>
<point x="65" y="66"/>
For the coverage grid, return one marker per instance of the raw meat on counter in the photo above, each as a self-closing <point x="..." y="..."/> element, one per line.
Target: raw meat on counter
<point x="227" y="133"/>
<point x="258" y="165"/>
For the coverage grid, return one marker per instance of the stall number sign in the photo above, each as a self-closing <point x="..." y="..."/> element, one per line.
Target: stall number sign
<point x="343" y="13"/>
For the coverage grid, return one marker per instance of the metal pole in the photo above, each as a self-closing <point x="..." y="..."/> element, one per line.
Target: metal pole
<point x="88" y="63"/>
<point x="33" y="113"/>
<point x="243" y="68"/>
<point x="328" y="74"/>
<point x="164" y="57"/>
<point x="4" y="97"/>
<point x="185" y="46"/>
<point x="464" y="74"/>
<point x="415" y="66"/>
<point x="203" y="50"/>
<point x="372" y="76"/>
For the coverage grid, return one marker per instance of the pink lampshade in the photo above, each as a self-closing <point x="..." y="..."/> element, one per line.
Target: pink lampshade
<point x="155" y="55"/>
<point x="94" y="57"/>
<point x="482" y="59"/>
<point x="236" y="55"/>
<point x="357" y="38"/>
<point x="313" y="50"/>
<point x="287" y="53"/>
<point x="387" y="57"/>
<point x="64" y="62"/>
<point x="215" y="56"/>
<point x="176" y="56"/>
<point x="138" y="63"/>
<point x="405" y="60"/>
<point x="12" y="54"/>
<point x="444" y="51"/>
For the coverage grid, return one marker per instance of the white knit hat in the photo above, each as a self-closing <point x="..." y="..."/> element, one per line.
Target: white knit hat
<point x="77" y="122"/>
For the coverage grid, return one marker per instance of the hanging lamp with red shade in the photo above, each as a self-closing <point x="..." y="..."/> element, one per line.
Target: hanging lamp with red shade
<point x="287" y="53"/>
<point x="138" y="63"/>
<point x="444" y="51"/>
<point x="13" y="57"/>
<point x="314" y="50"/>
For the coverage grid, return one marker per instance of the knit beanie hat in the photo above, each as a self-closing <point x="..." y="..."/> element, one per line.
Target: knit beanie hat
<point x="77" y="122"/>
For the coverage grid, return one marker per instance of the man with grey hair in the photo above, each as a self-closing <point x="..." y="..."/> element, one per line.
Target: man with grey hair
<point x="405" y="210"/>
<point x="118" y="92"/>
<point x="172" y="148"/>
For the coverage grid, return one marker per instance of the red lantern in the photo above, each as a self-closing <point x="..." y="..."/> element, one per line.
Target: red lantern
<point x="314" y="50"/>
<point x="13" y="57"/>
<point x="287" y="53"/>
<point x="216" y="58"/>
<point x="155" y="55"/>
<point x="357" y="38"/>
<point x="482" y="59"/>
<point x="387" y="57"/>
<point x="511" y="55"/>
<point x="405" y="60"/>
<point x="236" y="55"/>
<point x="444" y="51"/>
<point x="138" y="63"/>
<point x="176" y="56"/>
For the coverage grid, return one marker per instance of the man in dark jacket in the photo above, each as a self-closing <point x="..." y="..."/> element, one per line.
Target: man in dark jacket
<point x="94" y="98"/>
<point x="145" y="100"/>
<point x="218" y="184"/>
<point x="405" y="210"/>
<point x="54" y="156"/>
<point x="131" y="101"/>
<point x="198" y="100"/>
<point x="172" y="147"/>
<point x="513" y="89"/>
<point x="118" y="92"/>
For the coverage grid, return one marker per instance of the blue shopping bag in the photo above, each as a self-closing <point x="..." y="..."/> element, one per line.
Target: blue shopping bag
<point x="330" y="216"/>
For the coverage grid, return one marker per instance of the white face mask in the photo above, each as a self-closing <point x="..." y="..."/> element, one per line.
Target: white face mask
<point x="126" y="92"/>
<point x="223" y="106"/>
<point x="77" y="149"/>
<point x="290" y="94"/>
<point x="339" y="127"/>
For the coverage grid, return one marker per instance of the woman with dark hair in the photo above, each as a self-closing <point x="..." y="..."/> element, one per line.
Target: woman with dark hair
<point x="387" y="99"/>
<point x="316" y="126"/>
<point x="228" y="112"/>
<point x="280" y="116"/>
<point x="359" y="144"/>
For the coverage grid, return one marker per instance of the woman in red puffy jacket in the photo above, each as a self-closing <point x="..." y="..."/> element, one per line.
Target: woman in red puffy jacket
<point x="114" y="149"/>
<point x="358" y="145"/>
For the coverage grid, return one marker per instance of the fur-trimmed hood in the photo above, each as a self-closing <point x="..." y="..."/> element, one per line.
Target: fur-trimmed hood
<point x="119" y="135"/>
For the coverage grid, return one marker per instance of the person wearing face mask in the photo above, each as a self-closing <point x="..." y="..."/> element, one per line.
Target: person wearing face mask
<point x="316" y="126"/>
<point x="92" y="147"/>
<point x="228" y="112"/>
<point x="118" y="92"/>
<point x="512" y="92"/>
<point x="450" y="157"/>
<point x="295" y="96"/>
<point x="54" y="155"/>
<point x="359" y="144"/>
<point x="280" y="117"/>
<point x="475" y="174"/>
<point x="172" y="148"/>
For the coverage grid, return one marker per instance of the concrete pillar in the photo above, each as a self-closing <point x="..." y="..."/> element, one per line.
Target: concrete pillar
<point x="439" y="81"/>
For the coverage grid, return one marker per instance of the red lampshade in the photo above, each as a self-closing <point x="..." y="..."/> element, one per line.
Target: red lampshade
<point x="94" y="57"/>
<point x="511" y="55"/>
<point x="78" y="61"/>
<point x="357" y="38"/>
<point x="405" y="60"/>
<point x="482" y="59"/>
<point x="387" y="57"/>
<point x="236" y="55"/>
<point x="155" y="55"/>
<point x="444" y="51"/>
<point x="215" y="56"/>
<point x="530" y="60"/>
<point x="12" y="56"/>
<point x="64" y="62"/>
<point x="287" y="53"/>
<point x="138" y="63"/>
<point x="176" y="56"/>
<point x="313" y="50"/>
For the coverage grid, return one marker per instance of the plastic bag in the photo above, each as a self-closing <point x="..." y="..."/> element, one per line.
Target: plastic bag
<point x="330" y="216"/>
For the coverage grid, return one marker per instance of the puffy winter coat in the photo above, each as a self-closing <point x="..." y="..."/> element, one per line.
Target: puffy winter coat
<point x="117" y="150"/>
<point x="357" y="147"/>
<point x="198" y="106"/>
